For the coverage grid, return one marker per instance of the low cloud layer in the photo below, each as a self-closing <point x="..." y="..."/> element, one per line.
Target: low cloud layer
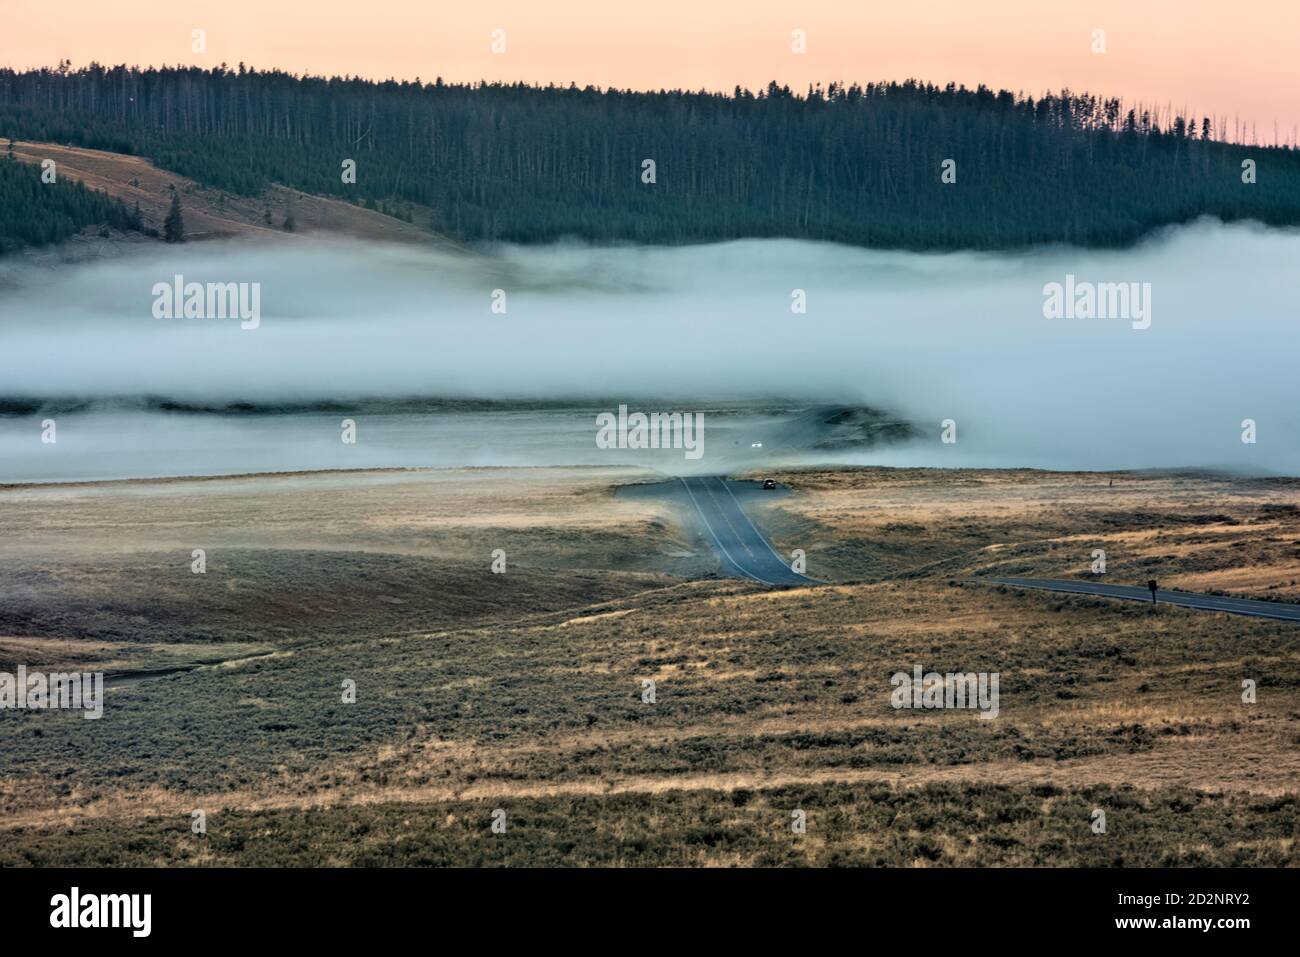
<point x="931" y="337"/>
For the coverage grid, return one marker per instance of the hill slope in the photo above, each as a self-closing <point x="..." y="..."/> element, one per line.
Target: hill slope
<point x="209" y="212"/>
<point x="853" y="164"/>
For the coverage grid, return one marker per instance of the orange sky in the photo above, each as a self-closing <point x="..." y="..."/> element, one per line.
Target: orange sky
<point x="1217" y="57"/>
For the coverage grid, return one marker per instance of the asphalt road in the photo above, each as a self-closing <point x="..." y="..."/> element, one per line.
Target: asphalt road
<point x="740" y="544"/>
<point x="1233" y="606"/>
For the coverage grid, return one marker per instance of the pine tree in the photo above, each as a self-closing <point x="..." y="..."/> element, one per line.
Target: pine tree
<point x="289" y="222"/>
<point x="174" y="225"/>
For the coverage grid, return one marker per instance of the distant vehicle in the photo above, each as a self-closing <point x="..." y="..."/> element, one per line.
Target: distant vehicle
<point x="769" y="483"/>
<point x="755" y="445"/>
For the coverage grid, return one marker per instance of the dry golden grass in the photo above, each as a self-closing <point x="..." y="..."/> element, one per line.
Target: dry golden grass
<point x="1190" y="531"/>
<point x="433" y="512"/>
<point x="210" y="213"/>
<point x="535" y="695"/>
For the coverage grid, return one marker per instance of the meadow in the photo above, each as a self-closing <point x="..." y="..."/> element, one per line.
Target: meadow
<point x="525" y="691"/>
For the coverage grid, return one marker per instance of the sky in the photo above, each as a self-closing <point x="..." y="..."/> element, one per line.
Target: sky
<point x="1220" y="58"/>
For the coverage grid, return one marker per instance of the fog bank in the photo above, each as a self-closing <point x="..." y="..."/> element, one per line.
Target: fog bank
<point x="929" y="337"/>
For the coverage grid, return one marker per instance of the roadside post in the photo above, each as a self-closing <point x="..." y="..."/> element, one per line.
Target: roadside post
<point x="1152" y="585"/>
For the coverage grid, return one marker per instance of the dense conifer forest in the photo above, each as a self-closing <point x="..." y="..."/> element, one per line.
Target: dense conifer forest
<point x="854" y="164"/>
<point x="34" y="213"/>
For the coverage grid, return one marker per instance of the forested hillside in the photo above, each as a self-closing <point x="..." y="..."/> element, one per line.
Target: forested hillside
<point x="33" y="213"/>
<point x="855" y="164"/>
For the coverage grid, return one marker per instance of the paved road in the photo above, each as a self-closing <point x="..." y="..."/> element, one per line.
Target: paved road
<point x="742" y="547"/>
<point x="1233" y="606"/>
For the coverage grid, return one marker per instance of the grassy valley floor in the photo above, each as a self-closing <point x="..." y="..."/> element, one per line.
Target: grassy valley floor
<point x="523" y="691"/>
